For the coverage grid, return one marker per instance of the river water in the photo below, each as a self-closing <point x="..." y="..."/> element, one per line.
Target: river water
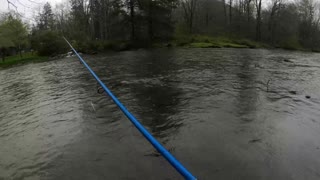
<point x="223" y="113"/>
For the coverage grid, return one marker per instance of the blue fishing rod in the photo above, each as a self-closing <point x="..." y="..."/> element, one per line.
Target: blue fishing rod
<point x="163" y="151"/>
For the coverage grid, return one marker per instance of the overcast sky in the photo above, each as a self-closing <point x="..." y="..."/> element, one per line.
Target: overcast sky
<point x="27" y="8"/>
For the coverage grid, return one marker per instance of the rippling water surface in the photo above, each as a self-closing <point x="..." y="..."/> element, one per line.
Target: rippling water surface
<point x="224" y="113"/>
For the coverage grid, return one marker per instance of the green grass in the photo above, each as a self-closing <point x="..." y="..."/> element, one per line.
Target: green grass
<point x="200" y="41"/>
<point x="26" y="58"/>
<point x="203" y="45"/>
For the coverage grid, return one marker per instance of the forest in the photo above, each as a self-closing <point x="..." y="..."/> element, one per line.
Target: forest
<point x="98" y="25"/>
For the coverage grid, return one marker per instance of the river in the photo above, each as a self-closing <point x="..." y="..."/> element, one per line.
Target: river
<point x="224" y="113"/>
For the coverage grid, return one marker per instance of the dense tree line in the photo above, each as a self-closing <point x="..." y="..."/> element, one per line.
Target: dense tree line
<point x="104" y="24"/>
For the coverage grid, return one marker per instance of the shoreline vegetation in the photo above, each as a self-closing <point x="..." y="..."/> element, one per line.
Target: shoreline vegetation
<point x="28" y="57"/>
<point x="101" y="26"/>
<point x="192" y="41"/>
<point x="95" y="47"/>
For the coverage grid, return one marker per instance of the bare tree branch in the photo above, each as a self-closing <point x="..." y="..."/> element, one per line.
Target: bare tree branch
<point x="9" y="2"/>
<point x="34" y="2"/>
<point x="23" y="5"/>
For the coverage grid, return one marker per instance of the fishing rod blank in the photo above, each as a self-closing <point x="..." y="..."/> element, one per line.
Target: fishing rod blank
<point x="163" y="151"/>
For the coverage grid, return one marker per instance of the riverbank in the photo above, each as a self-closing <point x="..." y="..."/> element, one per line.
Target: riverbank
<point x="26" y="58"/>
<point x="199" y="41"/>
<point x="194" y="41"/>
<point x="187" y="41"/>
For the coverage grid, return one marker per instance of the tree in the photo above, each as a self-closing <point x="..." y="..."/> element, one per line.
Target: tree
<point x="248" y="9"/>
<point x="99" y="24"/>
<point x="5" y="39"/>
<point x="189" y="7"/>
<point x="13" y="33"/>
<point x="230" y="11"/>
<point x="79" y="19"/>
<point x="258" y="25"/>
<point x="46" y="38"/>
<point x="49" y="43"/>
<point x="46" y="18"/>
<point x="5" y="42"/>
<point x="225" y="11"/>
<point x="274" y="17"/>
<point x="61" y="16"/>
<point x="132" y="5"/>
<point x="306" y="10"/>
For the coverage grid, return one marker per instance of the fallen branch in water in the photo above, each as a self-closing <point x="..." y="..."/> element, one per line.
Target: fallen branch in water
<point x="268" y="84"/>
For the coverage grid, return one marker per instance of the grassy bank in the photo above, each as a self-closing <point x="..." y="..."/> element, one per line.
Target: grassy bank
<point x="186" y="41"/>
<point x="26" y="58"/>
<point x="199" y="41"/>
<point x="192" y="41"/>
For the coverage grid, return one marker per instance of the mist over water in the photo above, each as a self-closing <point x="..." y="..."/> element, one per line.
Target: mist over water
<point x="223" y="113"/>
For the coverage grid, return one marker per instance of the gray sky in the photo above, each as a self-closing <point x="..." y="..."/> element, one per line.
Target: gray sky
<point x="27" y="8"/>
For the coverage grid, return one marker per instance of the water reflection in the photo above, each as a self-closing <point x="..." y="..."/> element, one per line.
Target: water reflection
<point x="247" y="91"/>
<point x="156" y="92"/>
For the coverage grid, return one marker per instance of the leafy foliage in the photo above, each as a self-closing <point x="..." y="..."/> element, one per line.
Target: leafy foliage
<point x="45" y="38"/>
<point x="13" y="33"/>
<point x="49" y="43"/>
<point x="97" y="25"/>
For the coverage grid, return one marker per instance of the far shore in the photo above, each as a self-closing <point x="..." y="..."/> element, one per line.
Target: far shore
<point x="11" y="61"/>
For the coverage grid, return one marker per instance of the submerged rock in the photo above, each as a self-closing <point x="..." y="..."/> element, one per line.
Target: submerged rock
<point x="255" y="140"/>
<point x="287" y="60"/>
<point x="293" y="92"/>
